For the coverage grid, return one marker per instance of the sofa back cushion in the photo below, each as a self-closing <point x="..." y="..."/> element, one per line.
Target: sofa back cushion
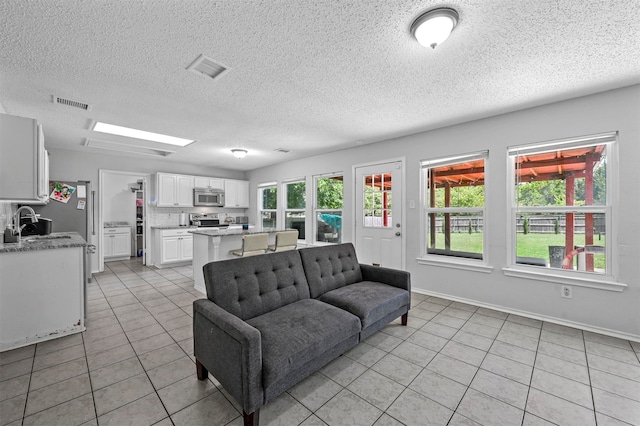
<point x="252" y="286"/>
<point x="330" y="267"/>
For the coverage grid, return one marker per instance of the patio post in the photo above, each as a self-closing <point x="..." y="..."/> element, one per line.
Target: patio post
<point x="569" y="225"/>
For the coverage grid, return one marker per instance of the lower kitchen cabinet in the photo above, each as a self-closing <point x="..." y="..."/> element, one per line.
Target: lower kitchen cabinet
<point x="173" y="246"/>
<point x="117" y="243"/>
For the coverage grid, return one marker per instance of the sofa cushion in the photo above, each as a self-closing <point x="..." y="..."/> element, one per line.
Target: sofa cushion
<point x="298" y="333"/>
<point x="370" y="301"/>
<point x="252" y="286"/>
<point x="330" y="267"/>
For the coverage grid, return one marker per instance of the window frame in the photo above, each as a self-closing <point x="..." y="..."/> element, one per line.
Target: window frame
<point x="316" y="209"/>
<point x="451" y="260"/>
<point x="261" y="187"/>
<point x="606" y="280"/>
<point x="285" y="186"/>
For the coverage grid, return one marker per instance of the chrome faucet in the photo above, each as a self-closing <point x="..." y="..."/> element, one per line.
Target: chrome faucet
<point x="16" y="220"/>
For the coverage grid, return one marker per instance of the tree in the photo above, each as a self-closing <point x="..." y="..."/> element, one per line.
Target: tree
<point x="296" y="195"/>
<point x="542" y="193"/>
<point x="329" y="192"/>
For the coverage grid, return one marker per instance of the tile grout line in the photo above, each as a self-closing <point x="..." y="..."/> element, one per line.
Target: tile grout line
<point x="176" y="342"/>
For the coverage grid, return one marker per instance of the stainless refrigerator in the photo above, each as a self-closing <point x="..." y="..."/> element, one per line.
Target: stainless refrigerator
<point x="76" y="215"/>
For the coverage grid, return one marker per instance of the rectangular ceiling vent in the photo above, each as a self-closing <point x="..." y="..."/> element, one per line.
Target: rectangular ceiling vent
<point x="282" y="150"/>
<point x="206" y="66"/>
<point x="68" y="102"/>
<point x="123" y="147"/>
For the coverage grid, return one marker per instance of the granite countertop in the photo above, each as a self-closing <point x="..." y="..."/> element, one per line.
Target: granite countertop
<point x="173" y="227"/>
<point x="116" y="224"/>
<point x="216" y="232"/>
<point x="55" y="240"/>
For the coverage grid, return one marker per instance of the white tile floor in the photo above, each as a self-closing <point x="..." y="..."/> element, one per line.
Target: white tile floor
<point x="455" y="364"/>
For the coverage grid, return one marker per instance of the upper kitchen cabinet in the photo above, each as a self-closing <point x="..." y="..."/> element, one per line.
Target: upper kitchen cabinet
<point x="24" y="165"/>
<point x="236" y="193"/>
<point x="174" y="190"/>
<point x="208" y="182"/>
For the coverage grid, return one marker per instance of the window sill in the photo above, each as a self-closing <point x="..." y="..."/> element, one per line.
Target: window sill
<point x="604" y="283"/>
<point x="456" y="263"/>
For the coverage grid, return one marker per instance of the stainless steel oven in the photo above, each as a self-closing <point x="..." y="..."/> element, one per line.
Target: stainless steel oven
<point x="210" y="197"/>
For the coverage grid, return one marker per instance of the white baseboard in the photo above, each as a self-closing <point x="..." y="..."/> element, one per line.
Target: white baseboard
<point x="559" y="321"/>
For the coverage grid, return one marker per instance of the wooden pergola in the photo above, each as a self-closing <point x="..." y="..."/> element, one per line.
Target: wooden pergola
<point x="566" y="165"/>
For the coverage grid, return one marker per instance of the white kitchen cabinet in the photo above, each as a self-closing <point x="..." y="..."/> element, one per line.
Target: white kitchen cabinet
<point x="117" y="244"/>
<point x="41" y="297"/>
<point x="24" y="164"/>
<point x="175" y="246"/>
<point x="236" y="193"/>
<point x="174" y="190"/>
<point x="208" y="182"/>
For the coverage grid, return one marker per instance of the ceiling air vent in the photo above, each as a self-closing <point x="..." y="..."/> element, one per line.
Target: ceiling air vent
<point x="207" y="66"/>
<point x="282" y="150"/>
<point x="68" y="102"/>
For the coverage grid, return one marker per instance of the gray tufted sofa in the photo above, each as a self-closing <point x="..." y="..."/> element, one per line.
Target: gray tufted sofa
<point x="270" y="321"/>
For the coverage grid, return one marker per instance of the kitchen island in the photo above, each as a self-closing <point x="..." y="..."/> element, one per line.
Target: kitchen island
<point x="212" y="244"/>
<point x="41" y="288"/>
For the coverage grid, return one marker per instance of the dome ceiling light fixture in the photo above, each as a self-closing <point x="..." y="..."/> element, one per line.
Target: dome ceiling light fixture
<point x="239" y="153"/>
<point x="434" y="26"/>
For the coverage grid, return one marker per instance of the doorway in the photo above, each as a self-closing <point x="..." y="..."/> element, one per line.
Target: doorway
<point x="379" y="217"/>
<point x="123" y="198"/>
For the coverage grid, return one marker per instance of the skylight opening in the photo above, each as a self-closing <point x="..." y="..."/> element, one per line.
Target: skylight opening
<point x="139" y="134"/>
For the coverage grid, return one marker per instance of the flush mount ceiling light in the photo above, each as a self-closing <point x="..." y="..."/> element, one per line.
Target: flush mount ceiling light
<point x="139" y="134"/>
<point x="433" y="27"/>
<point x="239" y="153"/>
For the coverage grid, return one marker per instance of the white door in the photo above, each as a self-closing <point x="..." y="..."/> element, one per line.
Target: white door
<point x="378" y="211"/>
<point x="186" y="248"/>
<point x="184" y="196"/>
<point x="121" y="244"/>
<point x="167" y="189"/>
<point x="170" y="249"/>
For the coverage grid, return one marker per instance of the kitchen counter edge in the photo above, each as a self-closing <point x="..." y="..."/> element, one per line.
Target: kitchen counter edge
<point x="37" y="242"/>
<point x="230" y="232"/>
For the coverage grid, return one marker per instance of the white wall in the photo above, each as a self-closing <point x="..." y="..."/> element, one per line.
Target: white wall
<point x="617" y="110"/>
<point x="120" y="202"/>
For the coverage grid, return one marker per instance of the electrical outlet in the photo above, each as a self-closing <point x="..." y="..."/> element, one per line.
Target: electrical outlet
<point x="566" y="292"/>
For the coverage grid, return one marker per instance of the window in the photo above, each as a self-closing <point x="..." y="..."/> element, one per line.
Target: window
<point x="561" y="211"/>
<point x="328" y="208"/>
<point x="268" y="205"/>
<point x="295" y="204"/>
<point x="377" y="201"/>
<point x="454" y="206"/>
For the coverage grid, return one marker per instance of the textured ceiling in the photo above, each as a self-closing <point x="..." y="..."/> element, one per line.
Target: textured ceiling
<point x="309" y="76"/>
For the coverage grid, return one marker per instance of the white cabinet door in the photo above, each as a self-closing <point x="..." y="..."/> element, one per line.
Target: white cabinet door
<point x="236" y="193"/>
<point x="184" y="194"/>
<point x="24" y="175"/>
<point x="107" y="250"/>
<point x="170" y="249"/>
<point x="186" y="248"/>
<point x="167" y="189"/>
<point x="121" y="244"/>
<point x="175" y="190"/>
<point x="208" y="182"/>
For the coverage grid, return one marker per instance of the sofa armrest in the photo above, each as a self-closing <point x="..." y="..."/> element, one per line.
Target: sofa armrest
<point x="393" y="277"/>
<point x="231" y="350"/>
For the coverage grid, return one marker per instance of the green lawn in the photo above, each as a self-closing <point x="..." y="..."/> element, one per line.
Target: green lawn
<point x="528" y="245"/>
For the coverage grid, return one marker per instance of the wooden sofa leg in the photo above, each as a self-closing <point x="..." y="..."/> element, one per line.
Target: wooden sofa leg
<point x="201" y="371"/>
<point x="405" y="318"/>
<point x="252" y="419"/>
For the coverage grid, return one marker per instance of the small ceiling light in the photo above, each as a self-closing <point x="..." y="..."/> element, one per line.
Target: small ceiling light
<point x="433" y="27"/>
<point x="239" y="153"/>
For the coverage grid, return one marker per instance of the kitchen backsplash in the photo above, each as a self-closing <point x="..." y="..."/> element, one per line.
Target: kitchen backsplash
<point x="169" y="216"/>
<point x="6" y="213"/>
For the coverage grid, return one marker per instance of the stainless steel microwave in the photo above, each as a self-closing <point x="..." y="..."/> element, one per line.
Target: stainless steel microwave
<point x="210" y="197"/>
